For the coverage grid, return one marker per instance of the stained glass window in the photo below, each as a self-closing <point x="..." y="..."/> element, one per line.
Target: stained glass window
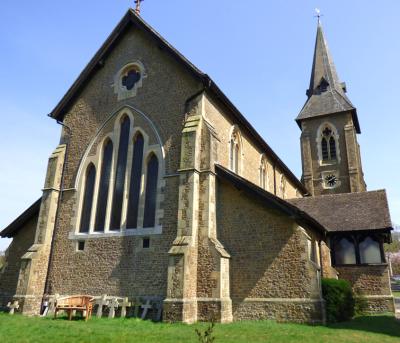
<point x="134" y="189"/>
<point x="151" y="192"/>
<point x="103" y="187"/>
<point x="88" y="198"/>
<point x="119" y="184"/>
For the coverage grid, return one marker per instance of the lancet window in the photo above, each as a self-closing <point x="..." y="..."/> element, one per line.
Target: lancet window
<point x="235" y="151"/>
<point x="264" y="180"/>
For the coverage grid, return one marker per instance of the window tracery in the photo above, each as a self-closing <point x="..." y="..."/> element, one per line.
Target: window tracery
<point x="328" y="144"/>
<point x="121" y="183"/>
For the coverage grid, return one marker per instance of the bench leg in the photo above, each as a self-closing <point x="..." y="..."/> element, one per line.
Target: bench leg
<point x="69" y="314"/>
<point x="55" y="313"/>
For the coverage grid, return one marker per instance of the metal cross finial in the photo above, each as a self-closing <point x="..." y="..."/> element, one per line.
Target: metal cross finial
<point x="137" y="9"/>
<point x="318" y="14"/>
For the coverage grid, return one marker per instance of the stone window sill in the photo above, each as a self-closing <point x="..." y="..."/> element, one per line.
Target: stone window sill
<point x="122" y="233"/>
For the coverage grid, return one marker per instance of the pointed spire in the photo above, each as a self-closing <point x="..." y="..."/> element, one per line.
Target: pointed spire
<point x="326" y="94"/>
<point x="323" y="73"/>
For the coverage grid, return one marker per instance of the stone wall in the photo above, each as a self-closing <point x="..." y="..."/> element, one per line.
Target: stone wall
<point x="10" y="271"/>
<point x="371" y="282"/>
<point x="270" y="273"/>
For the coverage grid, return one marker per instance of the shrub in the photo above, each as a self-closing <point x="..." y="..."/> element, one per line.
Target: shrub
<point x="339" y="300"/>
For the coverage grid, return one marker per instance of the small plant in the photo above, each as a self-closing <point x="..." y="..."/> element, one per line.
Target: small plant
<point x="206" y="336"/>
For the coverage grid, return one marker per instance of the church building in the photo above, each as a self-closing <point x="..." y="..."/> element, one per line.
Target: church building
<point x="161" y="189"/>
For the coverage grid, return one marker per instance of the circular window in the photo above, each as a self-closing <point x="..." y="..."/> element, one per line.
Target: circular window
<point x="130" y="78"/>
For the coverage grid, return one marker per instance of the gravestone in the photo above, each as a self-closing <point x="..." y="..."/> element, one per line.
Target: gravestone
<point x="13" y="306"/>
<point x="113" y="305"/>
<point x="102" y="301"/>
<point x="125" y="303"/>
<point x="146" y="307"/>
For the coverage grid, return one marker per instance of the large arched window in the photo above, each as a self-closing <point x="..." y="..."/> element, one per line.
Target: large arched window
<point x="136" y="175"/>
<point x="119" y="184"/>
<point x="345" y="251"/>
<point x="370" y="251"/>
<point x="151" y="192"/>
<point x="235" y="151"/>
<point x="87" y="198"/>
<point x="123" y="197"/>
<point x="328" y="144"/>
<point x="102" y="198"/>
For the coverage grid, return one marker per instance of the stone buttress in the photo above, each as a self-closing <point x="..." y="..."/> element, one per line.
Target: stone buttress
<point x="198" y="272"/>
<point x="35" y="262"/>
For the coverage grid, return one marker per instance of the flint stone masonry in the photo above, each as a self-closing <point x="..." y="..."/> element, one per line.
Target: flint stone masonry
<point x="371" y="282"/>
<point x="268" y="261"/>
<point x="9" y="273"/>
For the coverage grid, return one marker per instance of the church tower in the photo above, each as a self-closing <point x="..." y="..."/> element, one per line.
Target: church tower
<point x="330" y="152"/>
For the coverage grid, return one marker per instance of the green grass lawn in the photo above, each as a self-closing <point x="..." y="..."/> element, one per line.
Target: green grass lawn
<point x="396" y="294"/>
<point x="18" y="329"/>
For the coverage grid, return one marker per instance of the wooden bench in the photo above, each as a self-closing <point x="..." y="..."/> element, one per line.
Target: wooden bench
<point x="80" y="303"/>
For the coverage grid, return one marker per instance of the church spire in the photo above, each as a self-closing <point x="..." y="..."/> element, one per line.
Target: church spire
<point x="326" y="94"/>
<point x="323" y="73"/>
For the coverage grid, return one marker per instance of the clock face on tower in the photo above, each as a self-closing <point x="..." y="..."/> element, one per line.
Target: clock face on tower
<point x="331" y="180"/>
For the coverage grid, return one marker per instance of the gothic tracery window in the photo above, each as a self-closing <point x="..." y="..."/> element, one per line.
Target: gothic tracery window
<point x="119" y="200"/>
<point x="328" y="144"/>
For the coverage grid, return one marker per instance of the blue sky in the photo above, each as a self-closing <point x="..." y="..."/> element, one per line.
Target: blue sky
<point x="259" y="53"/>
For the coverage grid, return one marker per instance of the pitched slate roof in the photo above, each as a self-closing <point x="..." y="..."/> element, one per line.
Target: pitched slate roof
<point x="272" y="201"/>
<point x="131" y="19"/>
<point x="326" y="94"/>
<point x="348" y="211"/>
<point x="18" y="223"/>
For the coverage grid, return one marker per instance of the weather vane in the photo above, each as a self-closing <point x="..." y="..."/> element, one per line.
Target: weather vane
<point x="318" y="14"/>
<point x="137" y="9"/>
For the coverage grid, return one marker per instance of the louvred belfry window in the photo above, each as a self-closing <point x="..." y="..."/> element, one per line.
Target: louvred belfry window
<point x="134" y="189"/>
<point x="116" y="211"/>
<point x="151" y="192"/>
<point x="104" y="187"/>
<point x="88" y="198"/>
